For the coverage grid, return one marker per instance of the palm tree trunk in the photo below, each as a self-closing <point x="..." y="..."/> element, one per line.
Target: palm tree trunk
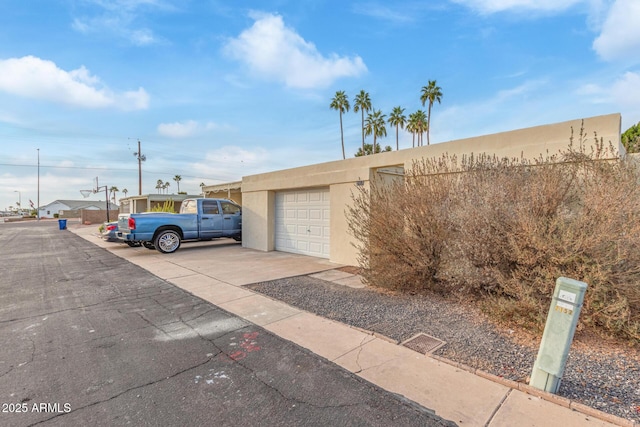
<point x="363" y="152"/>
<point x="342" y="137"/>
<point x="397" y="144"/>
<point x="429" y="121"/>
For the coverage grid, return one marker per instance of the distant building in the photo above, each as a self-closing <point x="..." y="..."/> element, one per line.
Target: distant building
<point x="54" y="208"/>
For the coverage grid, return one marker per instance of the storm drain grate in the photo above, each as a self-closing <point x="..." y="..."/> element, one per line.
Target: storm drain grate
<point x="423" y="343"/>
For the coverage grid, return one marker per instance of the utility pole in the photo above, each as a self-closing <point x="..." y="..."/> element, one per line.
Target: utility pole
<point x="141" y="158"/>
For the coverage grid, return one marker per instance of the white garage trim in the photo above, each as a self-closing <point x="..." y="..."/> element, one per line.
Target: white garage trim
<point x="302" y="222"/>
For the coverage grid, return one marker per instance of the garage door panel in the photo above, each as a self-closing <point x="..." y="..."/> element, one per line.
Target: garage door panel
<point x="315" y="196"/>
<point x="315" y="248"/>
<point x="314" y="231"/>
<point x="302" y="222"/>
<point x="316" y="214"/>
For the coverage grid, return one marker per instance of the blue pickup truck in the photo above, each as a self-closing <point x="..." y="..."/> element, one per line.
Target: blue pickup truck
<point x="199" y="219"/>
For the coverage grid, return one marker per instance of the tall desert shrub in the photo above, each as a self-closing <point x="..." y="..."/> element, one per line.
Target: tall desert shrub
<point x="501" y="231"/>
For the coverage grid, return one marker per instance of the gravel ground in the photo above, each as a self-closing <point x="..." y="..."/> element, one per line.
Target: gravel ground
<point x="604" y="376"/>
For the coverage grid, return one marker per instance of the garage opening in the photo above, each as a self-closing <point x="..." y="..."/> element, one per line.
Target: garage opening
<point x="302" y="222"/>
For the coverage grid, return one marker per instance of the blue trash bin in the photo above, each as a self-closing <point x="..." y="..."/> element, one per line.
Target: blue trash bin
<point x="62" y="223"/>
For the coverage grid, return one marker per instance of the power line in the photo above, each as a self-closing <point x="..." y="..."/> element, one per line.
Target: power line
<point x="112" y="170"/>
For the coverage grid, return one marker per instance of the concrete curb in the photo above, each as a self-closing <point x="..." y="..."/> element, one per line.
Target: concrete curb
<point x="549" y="397"/>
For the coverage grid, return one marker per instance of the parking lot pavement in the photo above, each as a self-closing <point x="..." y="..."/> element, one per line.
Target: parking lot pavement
<point x="89" y="338"/>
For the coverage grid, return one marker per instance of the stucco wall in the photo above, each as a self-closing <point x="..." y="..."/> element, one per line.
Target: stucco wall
<point x="341" y="176"/>
<point x="258" y="220"/>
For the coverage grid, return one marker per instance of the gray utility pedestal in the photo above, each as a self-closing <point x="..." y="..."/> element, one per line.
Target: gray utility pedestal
<point x="558" y="334"/>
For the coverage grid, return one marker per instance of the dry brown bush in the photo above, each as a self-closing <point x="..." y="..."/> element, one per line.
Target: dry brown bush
<point x="503" y="230"/>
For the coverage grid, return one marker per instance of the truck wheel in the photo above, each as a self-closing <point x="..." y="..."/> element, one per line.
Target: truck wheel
<point x="167" y="241"/>
<point x="148" y="245"/>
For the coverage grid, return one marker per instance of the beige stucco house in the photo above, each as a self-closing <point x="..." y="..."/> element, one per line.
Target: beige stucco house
<point x="302" y="210"/>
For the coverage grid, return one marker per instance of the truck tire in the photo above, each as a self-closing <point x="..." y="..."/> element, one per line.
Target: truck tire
<point x="167" y="241"/>
<point x="148" y="245"/>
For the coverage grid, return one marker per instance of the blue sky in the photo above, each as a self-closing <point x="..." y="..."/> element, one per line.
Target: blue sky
<point x="216" y="90"/>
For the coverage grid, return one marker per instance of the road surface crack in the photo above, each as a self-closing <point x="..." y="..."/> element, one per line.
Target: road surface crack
<point x="138" y="387"/>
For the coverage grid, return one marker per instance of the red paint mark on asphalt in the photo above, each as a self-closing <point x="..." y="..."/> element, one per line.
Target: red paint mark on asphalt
<point x="238" y="355"/>
<point x="249" y="345"/>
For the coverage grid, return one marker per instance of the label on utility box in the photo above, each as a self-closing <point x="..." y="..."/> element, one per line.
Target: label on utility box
<point x="565" y="302"/>
<point x="564" y="307"/>
<point x="567" y="296"/>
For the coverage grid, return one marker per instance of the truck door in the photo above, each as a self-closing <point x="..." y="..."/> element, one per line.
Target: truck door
<point x="211" y="222"/>
<point x="231" y="214"/>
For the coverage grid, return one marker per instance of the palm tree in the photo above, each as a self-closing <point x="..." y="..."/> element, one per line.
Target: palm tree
<point x="113" y="190"/>
<point x="397" y="119"/>
<point x="368" y="149"/>
<point x="125" y="191"/>
<point x="165" y="187"/>
<point x="177" y="179"/>
<point x="374" y="125"/>
<point x="421" y="126"/>
<point x="340" y="102"/>
<point x="202" y="184"/>
<point x="159" y="184"/>
<point x="431" y="93"/>
<point x="362" y="103"/>
<point x="411" y="127"/>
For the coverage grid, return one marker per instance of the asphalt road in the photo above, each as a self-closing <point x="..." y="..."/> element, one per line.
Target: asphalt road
<point x="87" y="338"/>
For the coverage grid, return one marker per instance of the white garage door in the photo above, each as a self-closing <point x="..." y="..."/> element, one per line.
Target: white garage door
<point x="302" y="222"/>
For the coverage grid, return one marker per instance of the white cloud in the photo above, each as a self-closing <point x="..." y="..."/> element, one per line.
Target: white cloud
<point x="36" y="78"/>
<point x="626" y="90"/>
<point x="184" y="129"/>
<point x="178" y="130"/>
<point x="383" y="12"/>
<point x="620" y="36"/>
<point x="276" y="52"/>
<point x="230" y="162"/>
<point x="512" y="106"/>
<point x="493" y="6"/>
<point x="623" y="93"/>
<point x="119" y="18"/>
